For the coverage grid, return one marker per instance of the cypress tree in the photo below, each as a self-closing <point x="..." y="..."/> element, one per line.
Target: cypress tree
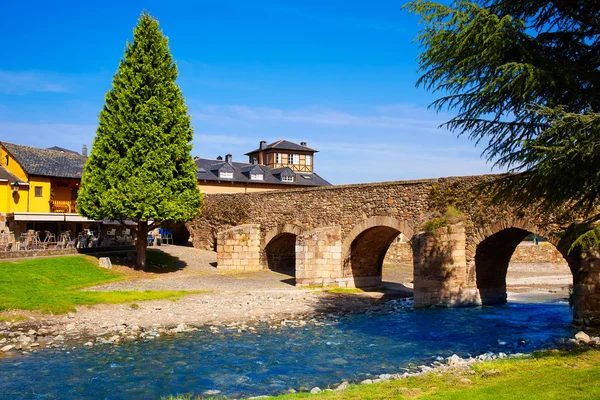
<point x="140" y="167"/>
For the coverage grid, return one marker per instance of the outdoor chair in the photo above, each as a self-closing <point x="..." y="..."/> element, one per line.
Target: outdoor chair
<point x="166" y="236"/>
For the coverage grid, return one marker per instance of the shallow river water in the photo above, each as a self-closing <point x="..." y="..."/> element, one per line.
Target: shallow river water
<point x="273" y="361"/>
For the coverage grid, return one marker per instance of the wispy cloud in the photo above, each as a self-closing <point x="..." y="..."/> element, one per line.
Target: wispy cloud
<point x="394" y="119"/>
<point x="22" y="82"/>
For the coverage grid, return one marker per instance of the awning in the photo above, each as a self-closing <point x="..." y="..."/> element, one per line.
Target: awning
<point x="49" y="217"/>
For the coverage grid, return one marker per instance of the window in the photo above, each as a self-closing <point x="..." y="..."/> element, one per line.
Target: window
<point x="7" y="160"/>
<point x="296" y="159"/>
<point x="267" y="159"/>
<point x="308" y="159"/>
<point x="290" y="158"/>
<point x="38" y="191"/>
<point x="287" y="178"/>
<point x="256" y="177"/>
<point x="254" y="160"/>
<point x="226" y="175"/>
<point x="277" y="158"/>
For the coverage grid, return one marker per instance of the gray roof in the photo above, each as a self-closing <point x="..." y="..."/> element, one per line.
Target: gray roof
<point x="208" y="170"/>
<point x="9" y="176"/>
<point x="283" y="145"/>
<point x="47" y="162"/>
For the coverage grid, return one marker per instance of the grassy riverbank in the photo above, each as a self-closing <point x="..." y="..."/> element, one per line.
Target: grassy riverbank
<point x="547" y="375"/>
<point x="54" y="285"/>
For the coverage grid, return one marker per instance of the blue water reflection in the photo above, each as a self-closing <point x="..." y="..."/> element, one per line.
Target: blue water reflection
<point x="273" y="361"/>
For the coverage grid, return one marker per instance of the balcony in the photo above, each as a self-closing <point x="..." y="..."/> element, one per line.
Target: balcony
<point x="63" y="206"/>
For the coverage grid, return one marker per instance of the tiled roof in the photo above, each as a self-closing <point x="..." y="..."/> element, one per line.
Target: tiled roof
<point x="283" y="145"/>
<point x="8" y="176"/>
<point x="208" y="170"/>
<point x="47" y="162"/>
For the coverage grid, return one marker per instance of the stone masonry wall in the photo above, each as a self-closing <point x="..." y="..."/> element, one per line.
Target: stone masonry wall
<point x="239" y="248"/>
<point x="318" y="258"/>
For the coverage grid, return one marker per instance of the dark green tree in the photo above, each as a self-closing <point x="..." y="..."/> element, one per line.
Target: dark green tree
<point x="140" y="167"/>
<point x="523" y="78"/>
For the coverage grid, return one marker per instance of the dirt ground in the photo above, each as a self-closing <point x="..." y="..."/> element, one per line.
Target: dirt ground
<point x="257" y="296"/>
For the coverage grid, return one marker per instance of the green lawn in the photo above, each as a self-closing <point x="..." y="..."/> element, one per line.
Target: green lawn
<point x="548" y="376"/>
<point x="53" y="285"/>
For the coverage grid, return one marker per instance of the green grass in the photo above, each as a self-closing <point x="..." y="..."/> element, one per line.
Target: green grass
<point x="53" y="285"/>
<point x="547" y="375"/>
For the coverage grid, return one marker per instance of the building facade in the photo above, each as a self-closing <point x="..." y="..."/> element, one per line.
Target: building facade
<point x="38" y="188"/>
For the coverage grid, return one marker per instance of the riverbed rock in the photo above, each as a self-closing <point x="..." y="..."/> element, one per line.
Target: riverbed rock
<point x="315" y="390"/>
<point x="104" y="262"/>
<point x="7" y="348"/>
<point x="455" y="361"/>
<point x="491" y="372"/>
<point x="367" y="382"/>
<point x="465" y="381"/>
<point x="212" y="392"/>
<point x="582" y="337"/>
<point x="342" y="386"/>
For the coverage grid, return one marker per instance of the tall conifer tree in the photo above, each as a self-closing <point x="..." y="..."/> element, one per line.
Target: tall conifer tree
<point x="140" y="167"/>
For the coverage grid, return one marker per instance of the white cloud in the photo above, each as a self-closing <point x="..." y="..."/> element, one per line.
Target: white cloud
<point x="22" y="82"/>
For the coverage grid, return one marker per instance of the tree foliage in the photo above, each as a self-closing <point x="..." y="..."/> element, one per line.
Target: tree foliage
<point x="140" y="167"/>
<point x="522" y="77"/>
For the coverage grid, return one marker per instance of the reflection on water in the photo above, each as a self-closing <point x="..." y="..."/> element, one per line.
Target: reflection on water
<point x="273" y="361"/>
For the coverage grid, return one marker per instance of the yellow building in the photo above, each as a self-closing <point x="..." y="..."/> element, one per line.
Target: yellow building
<point x="275" y="166"/>
<point x="38" y="188"/>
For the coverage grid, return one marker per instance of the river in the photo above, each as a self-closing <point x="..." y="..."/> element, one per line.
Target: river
<point x="321" y="353"/>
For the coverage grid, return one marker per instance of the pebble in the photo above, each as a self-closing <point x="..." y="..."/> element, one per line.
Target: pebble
<point x="7" y="348"/>
<point x="582" y="337"/>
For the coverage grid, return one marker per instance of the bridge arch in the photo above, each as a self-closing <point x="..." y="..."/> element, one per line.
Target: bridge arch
<point x="494" y="247"/>
<point x="365" y="246"/>
<point x="279" y="248"/>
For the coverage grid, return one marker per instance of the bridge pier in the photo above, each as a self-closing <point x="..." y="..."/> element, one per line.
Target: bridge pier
<point x="318" y="257"/>
<point x="442" y="276"/>
<point x="586" y="289"/>
<point x="238" y="248"/>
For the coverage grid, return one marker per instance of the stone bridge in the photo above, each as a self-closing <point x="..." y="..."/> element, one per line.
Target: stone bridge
<point x="339" y="235"/>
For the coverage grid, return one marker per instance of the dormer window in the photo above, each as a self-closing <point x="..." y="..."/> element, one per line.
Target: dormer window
<point x="257" y="177"/>
<point x="287" y="178"/>
<point x="226" y="175"/>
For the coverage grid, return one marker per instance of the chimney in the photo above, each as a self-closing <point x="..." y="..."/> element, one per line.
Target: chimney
<point x="228" y="159"/>
<point x="263" y="144"/>
<point x="303" y="144"/>
<point x="219" y="158"/>
<point x="84" y="150"/>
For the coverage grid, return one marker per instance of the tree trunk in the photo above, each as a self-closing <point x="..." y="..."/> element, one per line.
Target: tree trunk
<point x="141" y="245"/>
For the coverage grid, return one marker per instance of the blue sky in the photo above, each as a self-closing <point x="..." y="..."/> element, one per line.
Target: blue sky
<point x="339" y="75"/>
